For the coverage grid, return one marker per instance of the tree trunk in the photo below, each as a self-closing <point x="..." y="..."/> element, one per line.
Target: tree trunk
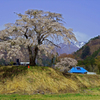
<point x="32" y="56"/>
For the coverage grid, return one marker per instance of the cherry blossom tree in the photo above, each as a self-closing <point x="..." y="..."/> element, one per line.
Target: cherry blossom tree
<point x="65" y="64"/>
<point x="36" y="30"/>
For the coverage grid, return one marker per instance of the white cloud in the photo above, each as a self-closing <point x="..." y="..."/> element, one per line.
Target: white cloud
<point x="81" y="36"/>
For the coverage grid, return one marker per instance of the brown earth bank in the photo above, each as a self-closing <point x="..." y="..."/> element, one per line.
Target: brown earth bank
<point x="43" y="80"/>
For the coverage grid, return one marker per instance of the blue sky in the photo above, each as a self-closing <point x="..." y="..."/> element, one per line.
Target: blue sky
<point x="83" y="16"/>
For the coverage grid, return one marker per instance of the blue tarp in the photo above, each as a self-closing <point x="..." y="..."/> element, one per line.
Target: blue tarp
<point x="78" y="70"/>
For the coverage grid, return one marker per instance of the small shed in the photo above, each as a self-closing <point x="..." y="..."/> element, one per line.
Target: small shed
<point x="24" y="63"/>
<point x="77" y="69"/>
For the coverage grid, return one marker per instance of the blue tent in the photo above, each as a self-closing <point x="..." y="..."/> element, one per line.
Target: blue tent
<point x="77" y="70"/>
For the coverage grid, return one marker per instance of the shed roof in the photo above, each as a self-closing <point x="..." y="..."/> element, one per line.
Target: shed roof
<point x="77" y="69"/>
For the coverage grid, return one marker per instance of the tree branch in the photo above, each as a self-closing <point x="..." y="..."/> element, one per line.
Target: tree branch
<point x="25" y="33"/>
<point x="4" y="39"/>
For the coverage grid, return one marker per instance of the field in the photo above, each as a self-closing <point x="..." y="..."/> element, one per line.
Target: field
<point x="50" y="97"/>
<point x="85" y="94"/>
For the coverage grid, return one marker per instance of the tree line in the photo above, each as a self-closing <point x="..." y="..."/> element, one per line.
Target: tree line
<point x="90" y="62"/>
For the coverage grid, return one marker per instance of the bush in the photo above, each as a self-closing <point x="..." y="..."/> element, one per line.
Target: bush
<point x="65" y="64"/>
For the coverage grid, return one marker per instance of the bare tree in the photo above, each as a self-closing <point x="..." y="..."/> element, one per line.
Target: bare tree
<point x="36" y="30"/>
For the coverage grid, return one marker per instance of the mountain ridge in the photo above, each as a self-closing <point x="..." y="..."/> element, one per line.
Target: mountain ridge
<point x="69" y="48"/>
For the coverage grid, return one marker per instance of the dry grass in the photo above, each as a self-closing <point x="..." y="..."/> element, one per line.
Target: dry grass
<point x="44" y="80"/>
<point x="38" y="79"/>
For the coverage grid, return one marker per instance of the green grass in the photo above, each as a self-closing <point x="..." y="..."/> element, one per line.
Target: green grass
<point x="91" y="91"/>
<point x="80" y="75"/>
<point x="50" y="97"/>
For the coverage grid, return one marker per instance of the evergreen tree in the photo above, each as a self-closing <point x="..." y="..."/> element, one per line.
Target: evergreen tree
<point x="85" y="52"/>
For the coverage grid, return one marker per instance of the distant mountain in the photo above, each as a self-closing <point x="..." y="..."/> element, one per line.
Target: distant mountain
<point x="68" y="49"/>
<point x="78" y="44"/>
<point x="90" y="49"/>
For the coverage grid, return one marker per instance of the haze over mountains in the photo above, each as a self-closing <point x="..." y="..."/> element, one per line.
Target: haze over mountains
<point x="68" y="49"/>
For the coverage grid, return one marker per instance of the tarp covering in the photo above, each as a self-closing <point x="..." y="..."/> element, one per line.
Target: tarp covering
<point x="78" y="69"/>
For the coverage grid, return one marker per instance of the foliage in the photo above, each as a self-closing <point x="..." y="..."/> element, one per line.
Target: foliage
<point x="95" y="53"/>
<point x="11" y="63"/>
<point x="89" y="61"/>
<point x="66" y="55"/>
<point x="36" y="30"/>
<point x="2" y="62"/>
<point x="97" y="62"/>
<point x="97" y="37"/>
<point x="85" y="52"/>
<point x="65" y="64"/>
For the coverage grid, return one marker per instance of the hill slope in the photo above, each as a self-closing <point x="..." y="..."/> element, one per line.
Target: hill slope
<point x="21" y="80"/>
<point x="92" y="48"/>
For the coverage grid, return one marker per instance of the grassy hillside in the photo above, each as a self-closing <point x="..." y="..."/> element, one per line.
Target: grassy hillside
<point x="43" y="80"/>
